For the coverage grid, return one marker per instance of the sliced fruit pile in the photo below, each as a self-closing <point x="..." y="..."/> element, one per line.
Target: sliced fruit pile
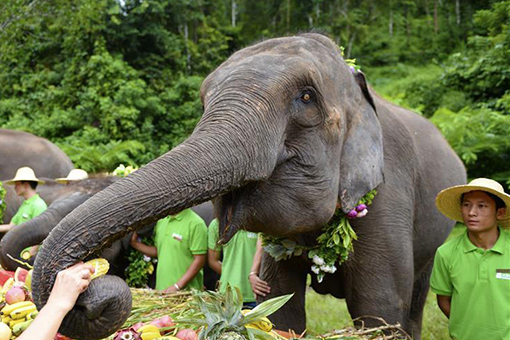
<point x="17" y="310"/>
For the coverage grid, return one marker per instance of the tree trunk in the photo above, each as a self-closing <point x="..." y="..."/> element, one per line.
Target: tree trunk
<point x="390" y="25"/>
<point x="436" y="22"/>
<point x="457" y="11"/>
<point x="288" y="16"/>
<point x="234" y="10"/>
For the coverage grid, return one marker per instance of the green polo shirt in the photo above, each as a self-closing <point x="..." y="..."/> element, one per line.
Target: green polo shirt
<point x="237" y="259"/>
<point x="478" y="282"/>
<point x="178" y="238"/>
<point x="29" y="209"/>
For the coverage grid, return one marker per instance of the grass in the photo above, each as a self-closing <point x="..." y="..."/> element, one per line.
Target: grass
<point x="325" y="313"/>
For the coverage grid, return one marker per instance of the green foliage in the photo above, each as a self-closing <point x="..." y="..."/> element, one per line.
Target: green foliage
<point x="140" y="266"/>
<point x="480" y="138"/>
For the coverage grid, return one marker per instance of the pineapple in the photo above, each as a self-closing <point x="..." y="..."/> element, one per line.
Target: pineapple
<point x="221" y="317"/>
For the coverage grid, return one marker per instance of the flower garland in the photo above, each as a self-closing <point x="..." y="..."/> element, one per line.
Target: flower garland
<point x="334" y="244"/>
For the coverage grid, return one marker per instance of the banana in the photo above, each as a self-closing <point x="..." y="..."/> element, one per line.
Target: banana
<point x="12" y="323"/>
<point x="32" y="315"/>
<point x="6" y="319"/>
<point x="22" y="312"/>
<point x="7" y="310"/>
<point x="19" y="328"/>
<point x="150" y="335"/>
<point x="148" y="329"/>
<point x="100" y="265"/>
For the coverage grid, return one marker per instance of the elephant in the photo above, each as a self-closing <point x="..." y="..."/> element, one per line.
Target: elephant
<point x="289" y="133"/>
<point x="18" y="149"/>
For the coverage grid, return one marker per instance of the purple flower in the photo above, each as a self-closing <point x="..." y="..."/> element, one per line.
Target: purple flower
<point x="353" y="69"/>
<point x="352" y="214"/>
<point x="361" y="207"/>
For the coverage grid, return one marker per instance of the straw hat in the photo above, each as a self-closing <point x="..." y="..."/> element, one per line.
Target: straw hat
<point x="24" y="174"/>
<point x="448" y="200"/>
<point x="74" y="175"/>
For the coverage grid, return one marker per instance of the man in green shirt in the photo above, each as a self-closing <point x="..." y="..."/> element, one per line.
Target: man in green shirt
<point x="471" y="273"/>
<point x="25" y="184"/>
<point x="237" y="262"/>
<point x="181" y="248"/>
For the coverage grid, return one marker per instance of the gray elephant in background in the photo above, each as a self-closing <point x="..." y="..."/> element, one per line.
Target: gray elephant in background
<point x="18" y="149"/>
<point x="288" y="133"/>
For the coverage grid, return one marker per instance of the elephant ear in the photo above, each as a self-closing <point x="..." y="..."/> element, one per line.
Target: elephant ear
<point x="362" y="159"/>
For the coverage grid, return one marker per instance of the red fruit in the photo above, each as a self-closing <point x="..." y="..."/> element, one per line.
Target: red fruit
<point x="20" y="274"/>
<point x="61" y="337"/>
<point x="15" y="294"/>
<point x="166" y="321"/>
<point x="187" y="334"/>
<point x="137" y="325"/>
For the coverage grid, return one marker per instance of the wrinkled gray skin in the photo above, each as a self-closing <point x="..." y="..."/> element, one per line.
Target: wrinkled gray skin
<point x="287" y="132"/>
<point x="18" y="149"/>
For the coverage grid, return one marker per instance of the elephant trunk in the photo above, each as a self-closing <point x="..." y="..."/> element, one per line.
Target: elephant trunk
<point x="218" y="157"/>
<point x="33" y="232"/>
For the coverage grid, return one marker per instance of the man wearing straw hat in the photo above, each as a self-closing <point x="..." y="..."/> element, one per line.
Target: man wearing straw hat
<point x="25" y="184"/>
<point x="471" y="273"/>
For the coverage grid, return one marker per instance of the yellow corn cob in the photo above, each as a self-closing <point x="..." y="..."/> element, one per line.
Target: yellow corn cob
<point x="100" y="265"/>
<point x="7" y="310"/>
<point x="22" y="312"/>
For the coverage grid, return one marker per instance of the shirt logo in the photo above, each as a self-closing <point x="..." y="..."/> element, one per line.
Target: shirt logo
<point x="25" y="216"/>
<point x="503" y="274"/>
<point x="176" y="236"/>
<point x="251" y="235"/>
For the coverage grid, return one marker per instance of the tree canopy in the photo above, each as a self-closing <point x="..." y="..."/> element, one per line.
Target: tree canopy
<point x="117" y="81"/>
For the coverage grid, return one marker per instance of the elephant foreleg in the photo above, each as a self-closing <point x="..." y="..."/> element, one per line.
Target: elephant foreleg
<point x="286" y="277"/>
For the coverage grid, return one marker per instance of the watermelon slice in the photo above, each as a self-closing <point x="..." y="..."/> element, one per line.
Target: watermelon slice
<point x="20" y="274"/>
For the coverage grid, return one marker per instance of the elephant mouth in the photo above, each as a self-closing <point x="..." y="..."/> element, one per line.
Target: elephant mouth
<point x="231" y="209"/>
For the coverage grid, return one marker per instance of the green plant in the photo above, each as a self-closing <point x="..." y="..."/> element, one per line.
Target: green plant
<point x="140" y="266"/>
<point x="220" y="315"/>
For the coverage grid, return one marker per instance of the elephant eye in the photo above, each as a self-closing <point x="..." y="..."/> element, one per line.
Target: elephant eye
<point x="306" y="97"/>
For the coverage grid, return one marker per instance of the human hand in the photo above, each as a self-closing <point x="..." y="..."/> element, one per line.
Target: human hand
<point x="258" y="286"/>
<point x="171" y="289"/>
<point x="70" y="283"/>
<point x="134" y="239"/>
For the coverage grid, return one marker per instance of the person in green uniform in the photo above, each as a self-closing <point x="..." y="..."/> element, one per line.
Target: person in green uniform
<point x="471" y="273"/>
<point x="25" y="184"/>
<point x="181" y="249"/>
<point x="237" y="262"/>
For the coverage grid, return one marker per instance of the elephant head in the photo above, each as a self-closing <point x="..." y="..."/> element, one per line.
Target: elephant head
<point x="288" y="131"/>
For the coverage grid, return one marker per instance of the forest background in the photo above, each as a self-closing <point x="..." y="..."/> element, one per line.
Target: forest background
<point x="117" y="81"/>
